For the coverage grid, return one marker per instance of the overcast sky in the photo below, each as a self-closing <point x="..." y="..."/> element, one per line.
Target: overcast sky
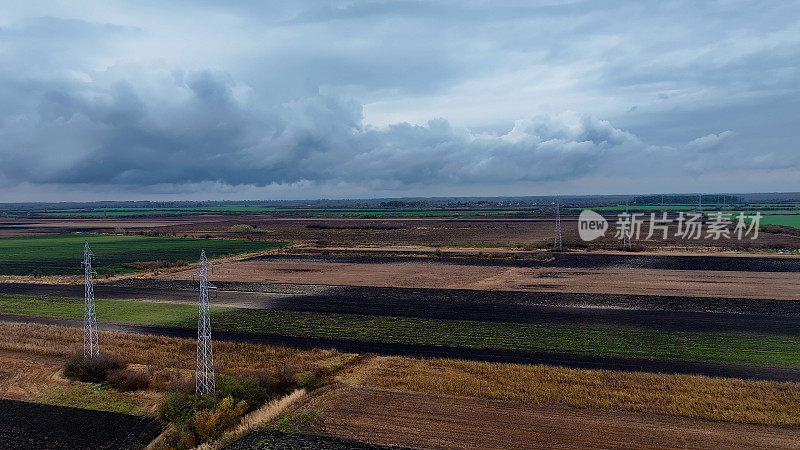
<point x="205" y="100"/>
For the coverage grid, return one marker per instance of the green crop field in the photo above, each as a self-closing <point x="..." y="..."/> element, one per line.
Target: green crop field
<point x="788" y="220"/>
<point x="62" y="254"/>
<point x="723" y="348"/>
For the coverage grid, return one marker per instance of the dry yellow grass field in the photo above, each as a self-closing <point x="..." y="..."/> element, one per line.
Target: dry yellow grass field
<point x="31" y="356"/>
<point x="696" y="397"/>
<point x="160" y="352"/>
<point x="430" y="403"/>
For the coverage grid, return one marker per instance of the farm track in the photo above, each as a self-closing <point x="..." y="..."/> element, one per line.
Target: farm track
<point x="439" y="422"/>
<point x="776" y="317"/>
<point x="578" y="261"/>
<point x="434" y="351"/>
<point x="26" y="425"/>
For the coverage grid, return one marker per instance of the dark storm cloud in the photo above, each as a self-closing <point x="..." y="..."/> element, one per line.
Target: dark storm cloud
<point x="209" y="135"/>
<point x="148" y="96"/>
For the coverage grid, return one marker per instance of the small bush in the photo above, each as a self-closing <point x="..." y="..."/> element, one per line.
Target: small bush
<point x="209" y="425"/>
<point x="129" y="380"/>
<point x="169" y="380"/>
<point x="241" y="228"/>
<point x="308" y="381"/>
<point x="178" y="409"/>
<point x="177" y="440"/>
<point x="292" y="423"/>
<point x="265" y="379"/>
<point x="96" y="370"/>
<point x="286" y="378"/>
<point x="241" y="388"/>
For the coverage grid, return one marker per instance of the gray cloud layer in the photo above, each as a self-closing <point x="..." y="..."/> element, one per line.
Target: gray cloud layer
<point x="136" y="106"/>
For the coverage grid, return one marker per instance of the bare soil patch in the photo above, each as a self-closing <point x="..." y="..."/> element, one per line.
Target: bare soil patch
<point x="430" y="274"/>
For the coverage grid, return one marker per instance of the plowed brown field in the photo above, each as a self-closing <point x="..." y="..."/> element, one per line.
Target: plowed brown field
<point x="765" y="285"/>
<point x="433" y="421"/>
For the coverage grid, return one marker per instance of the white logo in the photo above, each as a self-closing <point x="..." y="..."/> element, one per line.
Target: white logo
<point x="591" y="225"/>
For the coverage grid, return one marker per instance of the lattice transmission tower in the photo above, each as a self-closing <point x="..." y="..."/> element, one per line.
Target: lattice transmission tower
<point x="204" y="373"/>
<point x="557" y="244"/>
<point x="627" y="229"/>
<point x="90" y="345"/>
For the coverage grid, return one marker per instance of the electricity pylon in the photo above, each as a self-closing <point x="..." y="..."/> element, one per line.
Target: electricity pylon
<point x="627" y="230"/>
<point x="90" y="345"/>
<point x="204" y="373"/>
<point x="557" y="245"/>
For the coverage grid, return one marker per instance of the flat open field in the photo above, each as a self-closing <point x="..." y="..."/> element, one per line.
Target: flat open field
<point x="449" y="404"/>
<point x="770" y="354"/>
<point x="509" y="232"/>
<point x="765" y="278"/>
<point x="653" y="322"/>
<point x="639" y="311"/>
<point x="62" y="254"/>
<point x="433" y="421"/>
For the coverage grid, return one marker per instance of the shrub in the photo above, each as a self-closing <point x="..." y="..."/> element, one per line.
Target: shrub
<point x="286" y="378"/>
<point x="241" y="228"/>
<point x="129" y="380"/>
<point x="170" y="380"/>
<point x="209" y="425"/>
<point x="265" y="379"/>
<point x="178" y="409"/>
<point x="241" y="388"/>
<point x="94" y="370"/>
<point x="308" y="381"/>
<point x="177" y="440"/>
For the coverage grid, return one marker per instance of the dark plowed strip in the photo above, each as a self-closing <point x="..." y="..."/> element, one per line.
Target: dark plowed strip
<point x="434" y="351"/>
<point x="432" y="421"/>
<point x="26" y="425"/>
<point x="580" y="261"/>
<point x="776" y="317"/>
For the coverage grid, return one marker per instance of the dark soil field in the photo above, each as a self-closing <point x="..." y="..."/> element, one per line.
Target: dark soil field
<point x="31" y="425"/>
<point x="579" y="261"/>
<point x="279" y="440"/>
<point x="778" y="317"/>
